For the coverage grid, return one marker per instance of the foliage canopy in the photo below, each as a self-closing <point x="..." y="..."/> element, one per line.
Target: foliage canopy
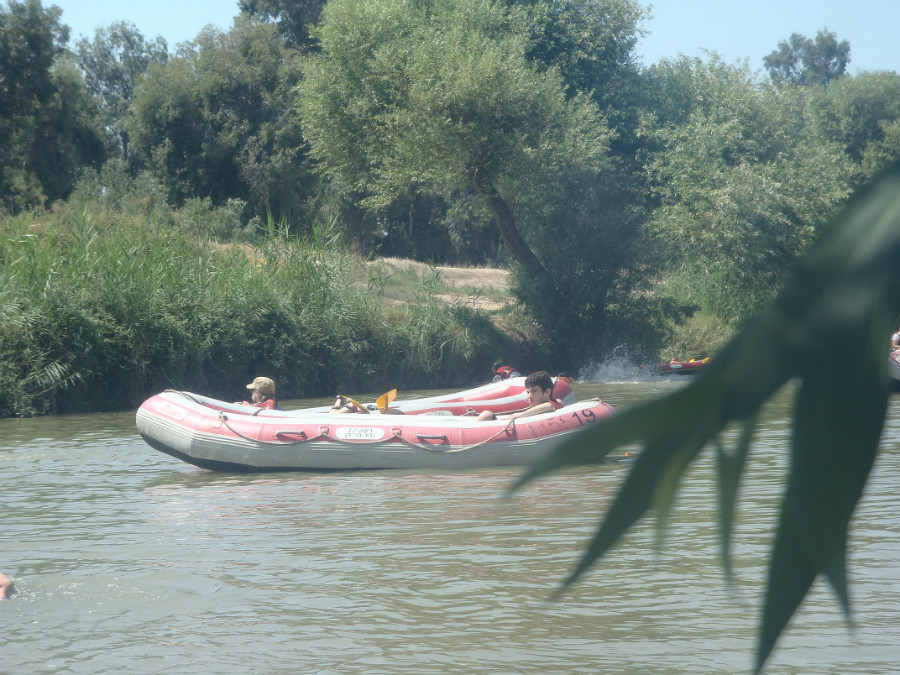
<point x="49" y="126"/>
<point x="801" y="60"/>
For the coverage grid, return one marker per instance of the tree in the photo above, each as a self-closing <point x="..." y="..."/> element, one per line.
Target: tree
<point x="69" y="137"/>
<point x="801" y="61"/>
<point x="439" y="97"/>
<point x="858" y="112"/>
<point x="843" y="299"/>
<point x="590" y="42"/>
<point x="294" y="18"/>
<point x="47" y="123"/>
<point x="214" y="122"/>
<point x="111" y="64"/>
<point x="743" y="181"/>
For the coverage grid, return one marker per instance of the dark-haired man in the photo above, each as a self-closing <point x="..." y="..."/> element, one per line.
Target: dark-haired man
<point x="539" y="388"/>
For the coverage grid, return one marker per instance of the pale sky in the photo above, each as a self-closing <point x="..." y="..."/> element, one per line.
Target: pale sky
<point x="736" y="29"/>
<point x="740" y="29"/>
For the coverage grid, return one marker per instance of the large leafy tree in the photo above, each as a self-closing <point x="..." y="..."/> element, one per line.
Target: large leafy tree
<point x="48" y="126"/>
<point x="70" y="136"/>
<point x="214" y="121"/>
<point x="595" y="231"/>
<point x="743" y="182"/>
<point x="440" y="97"/>
<point x="112" y="62"/>
<point x="800" y="60"/>
<point x="861" y="113"/>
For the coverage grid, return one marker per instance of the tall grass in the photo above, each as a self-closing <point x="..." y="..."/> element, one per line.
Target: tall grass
<point x="99" y="308"/>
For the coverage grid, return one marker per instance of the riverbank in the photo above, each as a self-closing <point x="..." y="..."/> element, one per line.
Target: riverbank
<point x="101" y="310"/>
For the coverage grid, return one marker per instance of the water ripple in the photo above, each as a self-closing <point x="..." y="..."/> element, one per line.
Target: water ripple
<point x="127" y="561"/>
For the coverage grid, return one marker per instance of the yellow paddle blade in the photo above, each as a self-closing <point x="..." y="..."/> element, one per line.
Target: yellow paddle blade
<point x="383" y="401"/>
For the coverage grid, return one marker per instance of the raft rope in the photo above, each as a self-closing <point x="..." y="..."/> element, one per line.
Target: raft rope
<point x="397" y="434"/>
<point x="186" y="394"/>
<point x="190" y="397"/>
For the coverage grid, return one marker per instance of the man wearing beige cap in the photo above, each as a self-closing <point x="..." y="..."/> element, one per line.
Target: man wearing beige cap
<point x="262" y="393"/>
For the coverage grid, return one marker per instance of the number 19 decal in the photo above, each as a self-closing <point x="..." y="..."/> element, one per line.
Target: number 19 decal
<point x="584" y="416"/>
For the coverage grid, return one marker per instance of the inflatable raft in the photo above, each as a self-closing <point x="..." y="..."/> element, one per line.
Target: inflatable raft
<point x="428" y="434"/>
<point x="682" y="367"/>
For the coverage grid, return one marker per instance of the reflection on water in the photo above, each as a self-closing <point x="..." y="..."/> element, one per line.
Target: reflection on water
<point x="128" y="560"/>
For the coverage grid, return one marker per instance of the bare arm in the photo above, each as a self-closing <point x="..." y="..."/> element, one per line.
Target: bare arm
<point x="546" y="406"/>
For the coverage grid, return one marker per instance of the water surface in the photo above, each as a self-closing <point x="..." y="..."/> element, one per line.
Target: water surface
<point x="127" y="560"/>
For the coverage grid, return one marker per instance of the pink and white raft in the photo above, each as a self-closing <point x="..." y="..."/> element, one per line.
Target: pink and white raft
<point x="439" y="432"/>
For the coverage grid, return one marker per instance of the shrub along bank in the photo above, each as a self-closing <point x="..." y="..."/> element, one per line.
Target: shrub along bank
<point x="98" y="310"/>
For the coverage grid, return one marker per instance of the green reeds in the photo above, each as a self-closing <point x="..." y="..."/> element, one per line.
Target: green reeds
<point x="100" y="308"/>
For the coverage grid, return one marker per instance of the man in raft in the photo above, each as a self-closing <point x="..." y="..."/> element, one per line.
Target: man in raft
<point x="262" y="394"/>
<point x="502" y="372"/>
<point x="539" y="388"/>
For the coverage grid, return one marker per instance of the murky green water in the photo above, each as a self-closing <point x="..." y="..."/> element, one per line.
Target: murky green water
<point x="127" y="560"/>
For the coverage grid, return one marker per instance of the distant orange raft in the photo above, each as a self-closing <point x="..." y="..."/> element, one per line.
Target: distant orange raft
<point x="691" y="367"/>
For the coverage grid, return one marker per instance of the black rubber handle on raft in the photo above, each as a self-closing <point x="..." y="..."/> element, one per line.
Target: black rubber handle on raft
<point x="425" y="437"/>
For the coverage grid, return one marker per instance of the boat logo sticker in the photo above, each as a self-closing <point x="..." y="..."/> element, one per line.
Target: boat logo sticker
<point x="176" y="412"/>
<point x="359" y="433"/>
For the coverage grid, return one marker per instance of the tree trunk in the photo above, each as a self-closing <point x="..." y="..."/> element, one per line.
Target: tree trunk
<point x="506" y="224"/>
<point x="546" y="301"/>
<point x="548" y="304"/>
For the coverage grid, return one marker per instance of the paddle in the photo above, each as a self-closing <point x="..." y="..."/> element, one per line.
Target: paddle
<point x="360" y="407"/>
<point x="385" y="400"/>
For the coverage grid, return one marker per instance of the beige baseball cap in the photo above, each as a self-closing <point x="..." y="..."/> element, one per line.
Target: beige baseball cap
<point x="264" y="384"/>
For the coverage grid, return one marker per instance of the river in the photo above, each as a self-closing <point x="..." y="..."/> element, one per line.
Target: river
<point x="129" y="561"/>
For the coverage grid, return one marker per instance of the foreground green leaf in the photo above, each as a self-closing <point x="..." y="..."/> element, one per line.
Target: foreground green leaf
<point x="843" y="299"/>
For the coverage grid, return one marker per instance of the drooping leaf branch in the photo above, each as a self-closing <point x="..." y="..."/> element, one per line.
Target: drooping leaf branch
<point x="842" y="299"/>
